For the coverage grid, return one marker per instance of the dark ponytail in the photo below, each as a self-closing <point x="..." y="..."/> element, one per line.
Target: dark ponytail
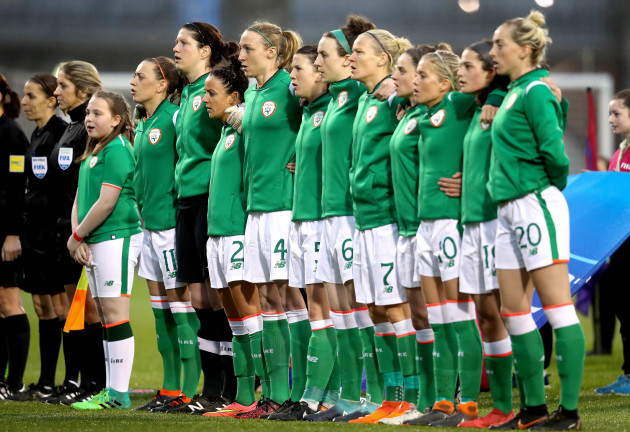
<point x="10" y="100"/>
<point x="232" y="76"/>
<point x="208" y="35"/>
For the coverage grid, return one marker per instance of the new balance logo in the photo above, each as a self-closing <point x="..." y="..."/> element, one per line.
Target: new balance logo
<point x="533" y="252"/>
<point x="109" y="283"/>
<point x="196" y="407"/>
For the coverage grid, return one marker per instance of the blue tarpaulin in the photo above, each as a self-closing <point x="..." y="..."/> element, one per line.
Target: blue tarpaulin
<point x="599" y="209"/>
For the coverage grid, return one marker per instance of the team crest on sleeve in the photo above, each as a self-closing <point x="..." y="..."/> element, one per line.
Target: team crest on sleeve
<point x="196" y="103"/>
<point x="371" y="113"/>
<point x="317" y="118"/>
<point x="229" y="140"/>
<point x="411" y="125"/>
<point x="93" y="161"/>
<point x="40" y="166"/>
<point x="65" y="157"/>
<point x="154" y="136"/>
<point x="342" y="99"/>
<point x="268" y="108"/>
<point x="511" y="101"/>
<point x="437" y="118"/>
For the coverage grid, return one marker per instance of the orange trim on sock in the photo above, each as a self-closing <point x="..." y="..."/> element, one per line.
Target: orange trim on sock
<point x="359" y="309"/>
<point x="435" y="304"/>
<point x="558" y="305"/>
<point x="459" y="301"/>
<point x="425" y="342"/>
<point x="499" y="355"/>
<point x="342" y="312"/>
<point x="171" y="393"/>
<point x="407" y="334"/>
<point x="125" y="295"/>
<point x="116" y="323"/>
<point x="516" y="313"/>
<point x="385" y="334"/>
<point x="559" y="261"/>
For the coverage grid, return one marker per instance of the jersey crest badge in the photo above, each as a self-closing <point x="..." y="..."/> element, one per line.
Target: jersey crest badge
<point x="371" y="113"/>
<point x="268" y="108"/>
<point x="342" y="99"/>
<point x="93" y="161"/>
<point x="411" y="125"/>
<point x="40" y="166"/>
<point x="317" y="118"/>
<point x="154" y="136"/>
<point x="437" y="118"/>
<point x="228" y="141"/>
<point x="511" y="101"/>
<point x="196" y="103"/>
<point x="65" y="157"/>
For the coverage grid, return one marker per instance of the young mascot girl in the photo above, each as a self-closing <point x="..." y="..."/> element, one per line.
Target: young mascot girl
<point x="529" y="168"/>
<point x="224" y="89"/>
<point x="199" y="47"/>
<point x="76" y="83"/>
<point x="107" y="237"/>
<point x="311" y="379"/>
<point x="39" y="244"/>
<point x="354" y="330"/>
<point x="154" y="149"/>
<point x="270" y="125"/>
<point x="373" y="58"/>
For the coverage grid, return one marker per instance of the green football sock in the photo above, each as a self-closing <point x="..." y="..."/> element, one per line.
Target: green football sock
<point x="374" y="380"/>
<point x="350" y="355"/>
<point x="411" y="386"/>
<point x="300" y="333"/>
<point x="276" y="345"/>
<point x="331" y="394"/>
<point x="529" y="357"/>
<point x="387" y="356"/>
<point x="424" y="359"/>
<point x="406" y="347"/>
<point x="259" y="361"/>
<point x="321" y="362"/>
<point x="469" y="359"/>
<point x="167" y="344"/>
<point x="243" y="369"/>
<point x="499" y="362"/>
<point x="445" y="361"/>
<point x="187" y="327"/>
<point x="570" y="358"/>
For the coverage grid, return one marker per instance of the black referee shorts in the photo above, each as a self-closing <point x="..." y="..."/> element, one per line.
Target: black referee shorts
<point x="191" y="235"/>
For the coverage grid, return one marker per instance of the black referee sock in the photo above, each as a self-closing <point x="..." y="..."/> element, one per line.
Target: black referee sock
<point x="228" y="380"/>
<point x="19" y="339"/>
<point x="4" y="351"/>
<point x="73" y="344"/>
<point x="209" y="349"/>
<point x="95" y="362"/>
<point x="49" y="345"/>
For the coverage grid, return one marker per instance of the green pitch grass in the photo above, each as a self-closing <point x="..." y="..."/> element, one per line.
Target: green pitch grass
<point x="599" y="413"/>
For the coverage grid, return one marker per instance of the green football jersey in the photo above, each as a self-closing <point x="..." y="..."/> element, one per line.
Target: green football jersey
<point x="527" y="148"/>
<point x="337" y="147"/>
<point x="403" y="149"/>
<point x="154" y="179"/>
<point x="370" y="175"/>
<point x="197" y="136"/>
<point x="442" y="130"/>
<point x="270" y="125"/>
<point x="307" y="192"/>
<point x="227" y="200"/>
<point x="113" y="167"/>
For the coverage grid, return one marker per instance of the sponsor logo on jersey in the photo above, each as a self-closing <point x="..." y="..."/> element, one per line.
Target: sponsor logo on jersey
<point x="93" y="161"/>
<point x="342" y="99"/>
<point x="437" y="118"/>
<point x="154" y="136"/>
<point x="411" y="125"/>
<point x="371" y="113"/>
<point x="511" y="101"/>
<point x="196" y="103"/>
<point x="40" y="166"/>
<point x="16" y="163"/>
<point x="229" y="141"/>
<point x="317" y="118"/>
<point x="268" y="108"/>
<point x="65" y="157"/>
